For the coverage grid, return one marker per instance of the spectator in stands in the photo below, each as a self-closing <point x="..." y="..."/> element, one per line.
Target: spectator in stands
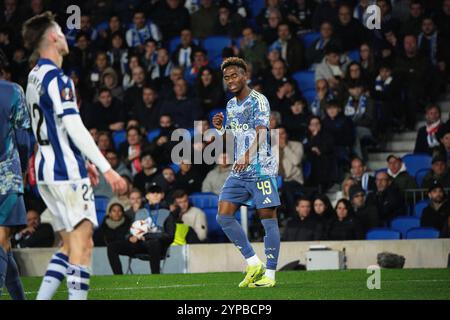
<point x="161" y="146"/>
<point x="437" y="213"/>
<point x="361" y="110"/>
<point x="387" y="198"/>
<point x="96" y="73"/>
<point x="104" y="141"/>
<point x="81" y="54"/>
<point x="155" y="242"/>
<point x="141" y="31"/>
<point x="165" y="90"/>
<point x="136" y="201"/>
<point x="413" y="24"/>
<point x="290" y="167"/>
<point x="161" y="70"/>
<point x="183" y="109"/>
<point x="439" y="172"/>
<point x="366" y="214"/>
<point x="303" y="226"/>
<point x="133" y="62"/>
<point x="400" y="177"/>
<point x="110" y="80"/>
<point x="356" y="73"/>
<point x="148" y="59"/>
<point x="116" y="163"/>
<point x="270" y="30"/>
<point x="209" y="90"/>
<point x="114" y="227"/>
<point x="253" y="50"/>
<point x="115" y="27"/>
<point x="171" y="17"/>
<point x="320" y="151"/>
<point x="299" y="15"/>
<point x="117" y="52"/>
<point x="322" y="209"/>
<point x="228" y="23"/>
<point x="367" y="59"/>
<point x="147" y="176"/>
<point x="276" y="78"/>
<point x="36" y="234"/>
<point x="189" y="178"/>
<point x="215" y="178"/>
<point x="199" y="60"/>
<point x="166" y="180"/>
<point x="134" y="93"/>
<point x="107" y="114"/>
<point x="291" y="49"/>
<point x="316" y="51"/>
<point x="387" y="95"/>
<point x="325" y="11"/>
<point x="344" y="226"/>
<point x="360" y="11"/>
<point x="323" y="95"/>
<point x="348" y="29"/>
<point x="85" y="26"/>
<point x="287" y="93"/>
<point x="148" y="109"/>
<point x="359" y="173"/>
<point x="192" y="216"/>
<point x="442" y="19"/>
<point x="131" y="149"/>
<point x="426" y="139"/>
<point x="296" y="120"/>
<point x="202" y="21"/>
<point x="444" y="138"/>
<point x="10" y="16"/>
<point x="344" y="193"/>
<point x="414" y="71"/>
<point x="333" y="67"/>
<point x="182" y="54"/>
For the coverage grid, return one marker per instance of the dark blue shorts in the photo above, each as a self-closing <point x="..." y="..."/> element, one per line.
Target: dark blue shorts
<point x="12" y="210"/>
<point x="260" y="194"/>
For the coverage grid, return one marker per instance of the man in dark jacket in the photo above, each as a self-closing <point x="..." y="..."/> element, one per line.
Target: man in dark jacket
<point x="427" y="139"/>
<point x="290" y="48"/>
<point x="36" y="234"/>
<point x="148" y="109"/>
<point x="305" y="226"/>
<point x="162" y="224"/>
<point x="437" y="214"/>
<point x="439" y="172"/>
<point x="366" y="214"/>
<point x="400" y="177"/>
<point x="387" y="198"/>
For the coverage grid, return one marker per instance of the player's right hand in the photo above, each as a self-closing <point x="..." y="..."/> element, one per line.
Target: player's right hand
<point x="217" y="120"/>
<point x="117" y="183"/>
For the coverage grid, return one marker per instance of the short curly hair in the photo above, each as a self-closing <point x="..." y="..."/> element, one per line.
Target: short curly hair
<point x="234" y="61"/>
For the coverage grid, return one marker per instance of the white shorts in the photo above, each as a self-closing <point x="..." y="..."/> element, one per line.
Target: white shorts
<point x="69" y="203"/>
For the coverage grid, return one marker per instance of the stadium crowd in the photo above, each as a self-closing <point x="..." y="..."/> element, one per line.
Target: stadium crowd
<point x="145" y="68"/>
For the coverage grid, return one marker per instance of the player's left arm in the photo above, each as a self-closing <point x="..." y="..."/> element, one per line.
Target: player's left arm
<point x="262" y="117"/>
<point x="22" y="126"/>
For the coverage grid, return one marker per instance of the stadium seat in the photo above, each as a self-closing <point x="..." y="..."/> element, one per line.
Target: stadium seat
<point x="255" y="7"/>
<point x="309" y="38"/>
<point x="102" y="26"/>
<point x="422" y="233"/>
<point x="418" y="208"/>
<point x="215" y="233"/>
<point x="404" y="223"/>
<point x="280" y="182"/>
<point x="101" y="203"/>
<point x="354" y="55"/>
<point x="204" y="200"/>
<point x="175" y="167"/>
<point x="416" y="162"/>
<point x="309" y="95"/>
<point x="153" y="134"/>
<point x="173" y="43"/>
<point x="214" y="46"/>
<point x="119" y="137"/>
<point x="382" y="234"/>
<point x="213" y="112"/>
<point x="306" y="166"/>
<point x="420" y="175"/>
<point x="305" y="80"/>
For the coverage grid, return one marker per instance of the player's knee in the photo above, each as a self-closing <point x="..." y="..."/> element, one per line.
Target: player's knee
<point x="223" y="219"/>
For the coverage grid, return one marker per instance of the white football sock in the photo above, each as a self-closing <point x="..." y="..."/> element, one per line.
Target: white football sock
<point x="253" y="260"/>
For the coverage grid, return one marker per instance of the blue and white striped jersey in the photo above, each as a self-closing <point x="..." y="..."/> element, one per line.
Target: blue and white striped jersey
<point x="242" y="120"/>
<point x="50" y="96"/>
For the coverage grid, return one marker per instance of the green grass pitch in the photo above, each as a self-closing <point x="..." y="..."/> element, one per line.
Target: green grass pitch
<point x="348" y="284"/>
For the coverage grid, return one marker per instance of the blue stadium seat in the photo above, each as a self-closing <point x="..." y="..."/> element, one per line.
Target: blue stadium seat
<point x="175" y="167"/>
<point x="173" y="43"/>
<point x="153" y="134"/>
<point x="416" y="162"/>
<point x="204" y="200"/>
<point x="309" y="95"/>
<point x="422" y="233"/>
<point x="280" y="182"/>
<point x="255" y="7"/>
<point x="213" y="112"/>
<point x="119" y="137"/>
<point x="305" y="80"/>
<point x="306" y="167"/>
<point x="354" y="55"/>
<point x="382" y="234"/>
<point x="309" y="38"/>
<point x="101" y="203"/>
<point x="102" y="26"/>
<point x="404" y="223"/>
<point x="214" y="46"/>
<point x="420" y="175"/>
<point x="418" y="208"/>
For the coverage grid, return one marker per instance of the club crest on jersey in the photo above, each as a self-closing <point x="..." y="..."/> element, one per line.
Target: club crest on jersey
<point x="66" y="94"/>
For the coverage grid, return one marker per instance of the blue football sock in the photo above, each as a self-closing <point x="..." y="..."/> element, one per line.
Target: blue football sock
<point x="12" y="282"/>
<point x="271" y="242"/>
<point x="3" y="267"/>
<point x="236" y="234"/>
